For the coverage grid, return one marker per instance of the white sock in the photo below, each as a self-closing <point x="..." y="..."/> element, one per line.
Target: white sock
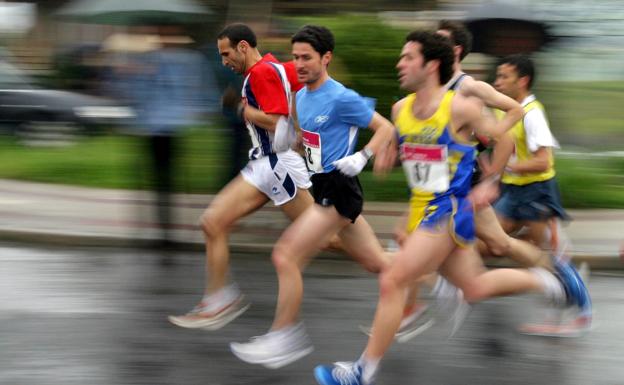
<point x="221" y="297"/>
<point x="369" y="368"/>
<point x="286" y="330"/>
<point x="553" y="289"/>
<point x="444" y="289"/>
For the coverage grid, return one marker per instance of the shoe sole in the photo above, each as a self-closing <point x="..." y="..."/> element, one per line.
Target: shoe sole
<point x="568" y="333"/>
<point x="408" y="335"/>
<point x="291" y="358"/>
<point x="571" y="332"/>
<point x="367" y="330"/>
<point x="207" y="324"/>
<point x="402" y="337"/>
<point x="459" y="318"/>
<point x="226" y="319"/>
<point x="273" y="362"/>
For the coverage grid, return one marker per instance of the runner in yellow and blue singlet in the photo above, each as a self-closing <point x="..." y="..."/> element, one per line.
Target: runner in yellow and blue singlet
<point x="438" y="168"/>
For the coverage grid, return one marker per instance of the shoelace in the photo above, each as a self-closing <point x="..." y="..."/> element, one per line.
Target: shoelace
<point x="346" y="373"/>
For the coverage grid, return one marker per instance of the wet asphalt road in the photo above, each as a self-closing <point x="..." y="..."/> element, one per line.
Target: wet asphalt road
<point x="99" y="316"/>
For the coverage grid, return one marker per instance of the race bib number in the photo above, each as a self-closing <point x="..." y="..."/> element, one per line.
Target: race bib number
<point x="426" y="166"/>
<point x="312" y="150"/>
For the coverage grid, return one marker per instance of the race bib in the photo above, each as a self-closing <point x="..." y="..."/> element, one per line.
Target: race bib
<point x="312" y="150"/>
<point x="426" y="166"/>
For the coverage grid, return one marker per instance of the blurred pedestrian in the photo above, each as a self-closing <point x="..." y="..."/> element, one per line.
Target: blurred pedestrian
<point x="165" y="86"/>
<point x="154" y="70"/>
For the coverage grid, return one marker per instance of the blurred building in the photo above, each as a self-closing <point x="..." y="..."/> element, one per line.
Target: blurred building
<point x="588" y="35"/>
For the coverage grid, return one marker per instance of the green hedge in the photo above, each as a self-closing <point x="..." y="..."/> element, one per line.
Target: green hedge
<point x="369" y="51"/>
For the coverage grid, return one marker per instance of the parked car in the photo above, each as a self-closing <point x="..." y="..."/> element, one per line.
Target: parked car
<point x="43" y="115"/>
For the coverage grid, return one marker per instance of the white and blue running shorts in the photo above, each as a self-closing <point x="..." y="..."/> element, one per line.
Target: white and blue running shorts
<point x="278" y="176"/>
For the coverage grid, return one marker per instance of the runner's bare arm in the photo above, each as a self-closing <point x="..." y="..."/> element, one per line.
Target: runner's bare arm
<point x="298" y="146"/>
<point x="538" y="163"/>
<point x="293" y="109"/>
<point x="494" y="165"/>
<point x="468" y="119"/>
<point x="260" y="118"/>
<point x="388" y="157"/>
<point x="494" y="99"/>
<point x="382" y="143"/>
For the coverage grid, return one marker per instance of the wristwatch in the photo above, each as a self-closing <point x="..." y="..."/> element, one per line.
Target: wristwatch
<point x="367" y="152"/>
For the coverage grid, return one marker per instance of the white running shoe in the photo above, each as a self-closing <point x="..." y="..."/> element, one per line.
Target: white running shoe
<point x="459" y="316"/>
<point x="276" y="348"/>
<point x="450" y="304"/>
<point x="203" y="318"/>
<point x="414" y="323"/>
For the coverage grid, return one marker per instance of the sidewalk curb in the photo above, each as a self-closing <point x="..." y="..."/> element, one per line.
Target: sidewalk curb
<point x="82" y="240"/>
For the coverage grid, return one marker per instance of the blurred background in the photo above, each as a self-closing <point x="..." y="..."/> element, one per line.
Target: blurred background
<point x="130" y="95"/>
<point x="117" y="123"/>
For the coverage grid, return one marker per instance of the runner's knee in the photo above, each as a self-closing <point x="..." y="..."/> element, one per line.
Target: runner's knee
<point x="375" y="263"/>
<point x="211" y="225"/>
<point x="389" y="284"/>
<point x="474" y="292"/>
<point x="281" y="259"/>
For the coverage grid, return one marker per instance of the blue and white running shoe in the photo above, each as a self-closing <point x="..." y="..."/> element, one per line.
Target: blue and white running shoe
<point x="340" y="373"/>
<point x="576" y="291"/>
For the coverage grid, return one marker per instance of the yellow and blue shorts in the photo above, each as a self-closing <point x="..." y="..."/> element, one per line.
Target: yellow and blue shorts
<point x="457" y="213"/>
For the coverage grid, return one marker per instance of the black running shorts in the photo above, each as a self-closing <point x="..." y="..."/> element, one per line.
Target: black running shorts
<point x="338" y="190"/>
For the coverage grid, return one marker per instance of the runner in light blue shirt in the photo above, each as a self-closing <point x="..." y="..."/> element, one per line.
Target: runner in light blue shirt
<point x="329" y="118"/>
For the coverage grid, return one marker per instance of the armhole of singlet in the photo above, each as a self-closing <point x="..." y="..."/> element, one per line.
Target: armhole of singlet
<point x="451" y="128"/>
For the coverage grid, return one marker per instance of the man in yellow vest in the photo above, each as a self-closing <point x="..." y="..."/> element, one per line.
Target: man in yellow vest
<point x="529" y="194"/>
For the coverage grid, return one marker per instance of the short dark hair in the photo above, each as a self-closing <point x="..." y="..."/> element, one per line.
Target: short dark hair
<point x="320" y="38"/>
<point x="459" y="34"/>
<point x="435" y="47"/>
<point x="524" y="66"/>
<point x="238" y="32"/>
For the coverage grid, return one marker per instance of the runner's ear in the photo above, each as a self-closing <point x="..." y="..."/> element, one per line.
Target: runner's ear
<point x="326" y="58"/>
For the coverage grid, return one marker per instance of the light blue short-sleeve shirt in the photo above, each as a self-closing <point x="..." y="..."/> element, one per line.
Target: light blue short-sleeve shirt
<point x="329" y="118"/>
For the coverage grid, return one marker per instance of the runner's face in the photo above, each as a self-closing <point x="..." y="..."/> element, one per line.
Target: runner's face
<point x="310" y="65"/>
<point x="232" y="57"/>
<point x="411" y="67"/>
<point x="507" y="80"/>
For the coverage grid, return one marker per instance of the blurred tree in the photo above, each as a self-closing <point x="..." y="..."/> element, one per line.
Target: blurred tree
<point x="297" y="7"/>
<point x="369" y="50"/>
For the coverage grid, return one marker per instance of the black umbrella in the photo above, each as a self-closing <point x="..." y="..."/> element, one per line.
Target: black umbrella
<point x="129" y="12"/>
<point x="500" y="29"/>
